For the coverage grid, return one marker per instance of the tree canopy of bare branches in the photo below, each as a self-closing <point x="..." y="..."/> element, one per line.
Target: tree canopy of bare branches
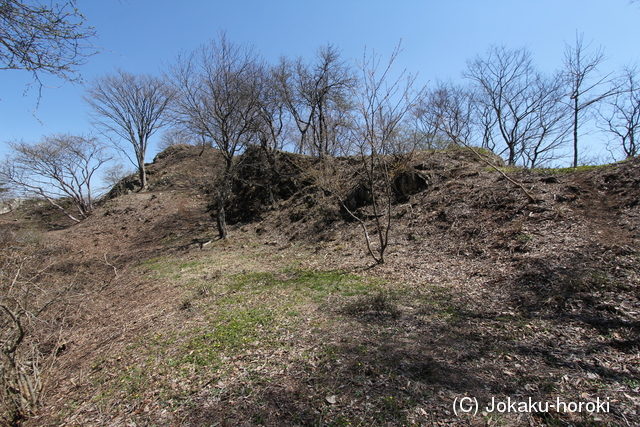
<point x="518" y="103"/>
<point x="130" y="108"/>
<point x="60" y="166"/>
<point x="219" y="98"/>
<point x="316" y="96"/>
<point x="622" y="117"/>
<point x="44" y="37"/>
<point x="445" y="115"/>
<point x="272" y="112"/>
<point x="175" y="136"/>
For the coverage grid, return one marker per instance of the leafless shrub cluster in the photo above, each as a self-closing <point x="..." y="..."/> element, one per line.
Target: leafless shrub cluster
<point x="28" y="340"/>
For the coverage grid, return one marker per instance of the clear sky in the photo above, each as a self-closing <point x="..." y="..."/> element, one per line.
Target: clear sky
<point x="438" y="37"/>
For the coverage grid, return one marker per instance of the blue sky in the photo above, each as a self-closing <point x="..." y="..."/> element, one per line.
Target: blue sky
<point x="438" y="37"/>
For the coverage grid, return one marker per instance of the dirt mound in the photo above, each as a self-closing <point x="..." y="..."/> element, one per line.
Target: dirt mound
<point x="293" y="184"/>
<point x="264" y="180"/>
<point x="180" y="167"/>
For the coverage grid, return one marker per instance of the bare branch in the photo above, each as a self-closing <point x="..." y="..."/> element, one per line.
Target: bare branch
<point x="44" y="39"/>
<point x="316" y="95"/>
<point x="621" y="118"/>
<point x="381" y="104"/>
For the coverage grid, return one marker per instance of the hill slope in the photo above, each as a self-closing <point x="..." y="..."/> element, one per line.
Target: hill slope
<point x="483" y="294"/>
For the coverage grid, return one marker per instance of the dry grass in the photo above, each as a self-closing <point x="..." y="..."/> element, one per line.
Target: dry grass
<point x="285" y="323"/>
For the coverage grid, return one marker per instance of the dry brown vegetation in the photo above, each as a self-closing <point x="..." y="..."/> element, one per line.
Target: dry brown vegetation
<point x="483" y="294"/>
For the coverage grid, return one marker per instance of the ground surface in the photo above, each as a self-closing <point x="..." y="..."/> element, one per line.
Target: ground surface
<point x="484" y="296"/>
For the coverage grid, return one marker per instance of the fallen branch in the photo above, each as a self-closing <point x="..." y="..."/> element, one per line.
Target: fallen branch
<point x="115" y="270"/>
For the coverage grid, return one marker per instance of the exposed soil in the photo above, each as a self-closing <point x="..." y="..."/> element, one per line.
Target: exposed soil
<point x="483" y="295"/>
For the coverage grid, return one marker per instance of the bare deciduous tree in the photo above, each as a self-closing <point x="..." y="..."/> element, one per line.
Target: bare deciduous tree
<point x="175" y="136"/>
<point x="622" y="117"/>
<point x="43" y="37"/>
<point x="33" y="296"/>
<point x="272" y="114"/>
<point x="381" y="104"/>
<point x="20" y="377"/>
<point x="131" y="108"/>
<point x="111" y="175"/>
<point x="520" y="102"/>
<point x="316" y="95"/>
<point x="445" y="115"/>
<point x="485" y="121"/>
<point x="550" y="121"/>
<point x="581" y="75"/>
<point x="503" y="77"/>
<point x="219" y="99"/>
<point x="60" y="166"/>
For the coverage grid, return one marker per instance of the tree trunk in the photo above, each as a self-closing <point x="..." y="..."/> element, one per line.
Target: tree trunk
<point x="575" y="131"/>
<point x="221" y="219"/>
<point x="223" y="195"/>
<point x="143" y="176"/>
<point x="512" y="155"/>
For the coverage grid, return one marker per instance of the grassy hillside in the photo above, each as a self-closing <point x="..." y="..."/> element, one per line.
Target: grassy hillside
<point x="153" y="321"/>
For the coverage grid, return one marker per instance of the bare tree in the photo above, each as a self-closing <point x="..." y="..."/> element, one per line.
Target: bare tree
<point x="60" y="166"/>
<point x="485" y="121"/>
<point x="585" y="85"/>
<point x="113" y="174"/>
<point x="317" y="97"/>
<point x="502" y="78"/>
<point x="622" y="117"/>
<point x="550" y="122"/>
<point x="131" y="108"/>
<point x="272" y="114"/>
<point x="219" y="99"/>
<point x="34" y="297"/>
<point x="381" y="104"/>
<point x="515" y="98"/>
<point x="175" y="136"/>
<point x="445" y="115"/>
<point x="43" y="37"/>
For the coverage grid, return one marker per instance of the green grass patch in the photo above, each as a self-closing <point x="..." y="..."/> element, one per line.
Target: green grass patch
<point x="172" y="363"/>
<point x="191" y="265"/>
<point x="157" y="264"/>
<point x="310" y="283"/>
<point x="555" y="171"/>
<point x="162" y="268"/>
<point x="227" y="331"/>
<point x="254" y="281"/>
<point x="230" y="314"/>
<point x="323" y="283"/>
